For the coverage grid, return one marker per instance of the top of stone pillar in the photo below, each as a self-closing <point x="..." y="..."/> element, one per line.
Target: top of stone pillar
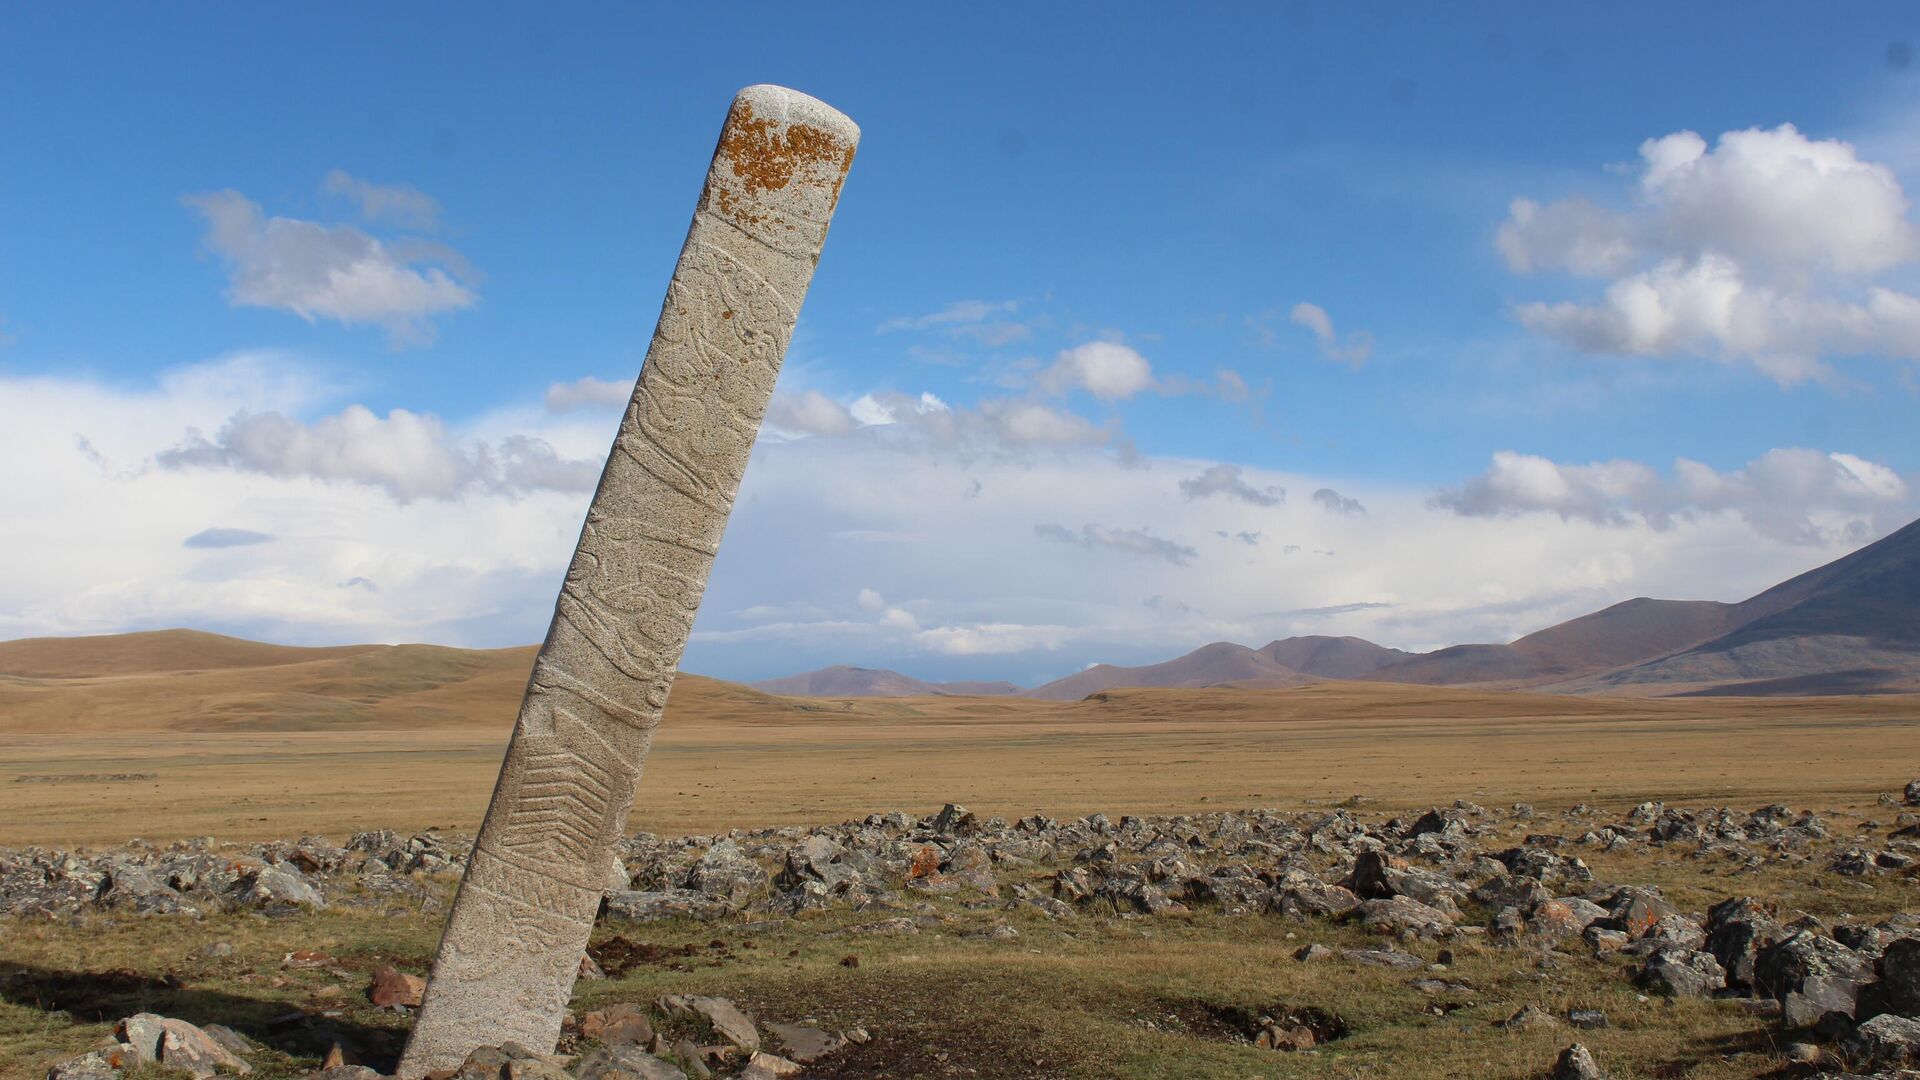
<point x="777" y="172"/>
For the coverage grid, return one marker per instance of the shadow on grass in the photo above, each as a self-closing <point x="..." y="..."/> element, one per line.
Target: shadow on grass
<point x="1764" y="1043"/>
<point x="107" y="996"/>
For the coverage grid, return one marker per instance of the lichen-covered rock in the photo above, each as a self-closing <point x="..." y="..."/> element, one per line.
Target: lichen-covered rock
<point x="1681" y="972"/>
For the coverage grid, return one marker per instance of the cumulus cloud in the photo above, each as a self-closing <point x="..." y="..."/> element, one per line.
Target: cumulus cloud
<point x="1354" y="351"/>
<point x="1762" y="248"/>
<point x="809" y="413"/>
<point x="396" y="204"/>
<point x="479" y="570"/>
<point x="1130" y="541"/>
<point x="331" y="271"/>
<point x="1108" y="370"/>
<point x="996" y="426"/>
<point x="1335" y="503"/>
<point x="989" y="639"/>
<point x="1795" y="495"/>
<point x="218" y="537"/>
<point x="409" y="455"/>
<point x="1572" y="235"/>
<point x="817" y="521"/>
<point x="588" y="392"/>
<point x="1226" y="480"/>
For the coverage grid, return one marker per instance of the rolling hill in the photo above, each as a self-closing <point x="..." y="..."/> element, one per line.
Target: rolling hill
<point x="188" y="680"/>
<point x="1220" y="664"/>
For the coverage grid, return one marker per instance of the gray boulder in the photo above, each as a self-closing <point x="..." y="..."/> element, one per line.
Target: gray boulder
<point x="1681" y="972"/>
<point x="1885" y="1042"/>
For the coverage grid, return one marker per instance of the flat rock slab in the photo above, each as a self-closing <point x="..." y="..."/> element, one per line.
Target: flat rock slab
<point x="804" y="1042"/>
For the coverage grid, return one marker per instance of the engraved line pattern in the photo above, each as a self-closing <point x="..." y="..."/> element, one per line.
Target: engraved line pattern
<point x="554" y="679"/>
<point x="560" y="807"/>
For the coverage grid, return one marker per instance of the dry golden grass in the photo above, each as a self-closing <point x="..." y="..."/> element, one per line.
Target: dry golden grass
<point x="411" y="736"/>
<point x="279" y="745"/>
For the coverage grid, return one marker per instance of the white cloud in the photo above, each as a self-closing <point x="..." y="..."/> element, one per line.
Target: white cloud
<point x="809" y="413"/>
<point x="991" y="639"/>
<point x="395" y="204"/>
<point x="409" y="455"/>
<point x="1010" y="427"/>
<point x="818" y="520"/>
<point x="1761" y="249"/>
<point x="1226" y="480"/>
<point x="1573" y="235"/>
<point x="1407" y="573"/>
<point x="347" y="562"/>
<point x="1108" y="370"/>
<point x="980" y="320"/>
<point x="588" y="392"/>
<point x="1776" y="198"/>
<point x="1335" y="503"/>
<point x="1129" y="541"/>
<point x="331" y="271"/>
<point x="1795" y="496"/>
<point x="1355" y="351"/>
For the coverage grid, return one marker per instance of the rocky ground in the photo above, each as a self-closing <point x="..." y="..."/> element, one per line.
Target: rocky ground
<point x="1420" y="898"/>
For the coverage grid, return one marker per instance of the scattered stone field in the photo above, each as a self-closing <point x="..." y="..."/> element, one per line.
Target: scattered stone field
<point x="1336" y="941"/>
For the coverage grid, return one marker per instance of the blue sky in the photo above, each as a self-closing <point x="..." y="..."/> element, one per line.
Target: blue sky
<point x="1045" y="195"/>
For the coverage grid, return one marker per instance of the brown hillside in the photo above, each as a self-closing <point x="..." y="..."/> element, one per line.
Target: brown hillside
<point x="130" y="688"/>
<point x="1210" y="665"/>
<point x="153" y="651"/>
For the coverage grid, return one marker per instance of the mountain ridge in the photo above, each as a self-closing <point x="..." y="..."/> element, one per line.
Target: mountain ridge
<point x="1851" y="626"/>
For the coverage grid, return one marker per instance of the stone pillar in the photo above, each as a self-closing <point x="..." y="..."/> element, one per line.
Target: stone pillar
<point x="512" y="945"/>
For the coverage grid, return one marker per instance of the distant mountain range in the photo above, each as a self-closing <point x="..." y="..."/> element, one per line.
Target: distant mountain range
<point x="844" y="681"/>
<point x="1849" y="627"/>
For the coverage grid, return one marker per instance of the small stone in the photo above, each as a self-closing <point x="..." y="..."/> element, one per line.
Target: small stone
<point x="1576" y="1063"/>
<point x="773" y="1064"/>
<point x="1288" y="1038"/>
<point x="177" y="1045"/>
<point x="804" y="1042"/>
<point x="1587" y="1019"/>
<point x="391" y="988"/>
<point x="1315" y="951"/>
<point x="618" y="1025"/>
<point x="1528" y="1018"/>
<point x="625" y="1063"/>
<point x="691" y="1057"/>
<point x="96" y="1065"/>
<point x="723" y="1016"/>
<point x="1392" y="958"/>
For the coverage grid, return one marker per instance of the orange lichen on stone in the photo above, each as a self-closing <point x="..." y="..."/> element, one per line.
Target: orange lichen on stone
<point x="765" y="159"/>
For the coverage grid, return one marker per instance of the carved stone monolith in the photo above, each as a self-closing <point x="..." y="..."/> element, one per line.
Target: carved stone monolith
<point x="512" y="945"/>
